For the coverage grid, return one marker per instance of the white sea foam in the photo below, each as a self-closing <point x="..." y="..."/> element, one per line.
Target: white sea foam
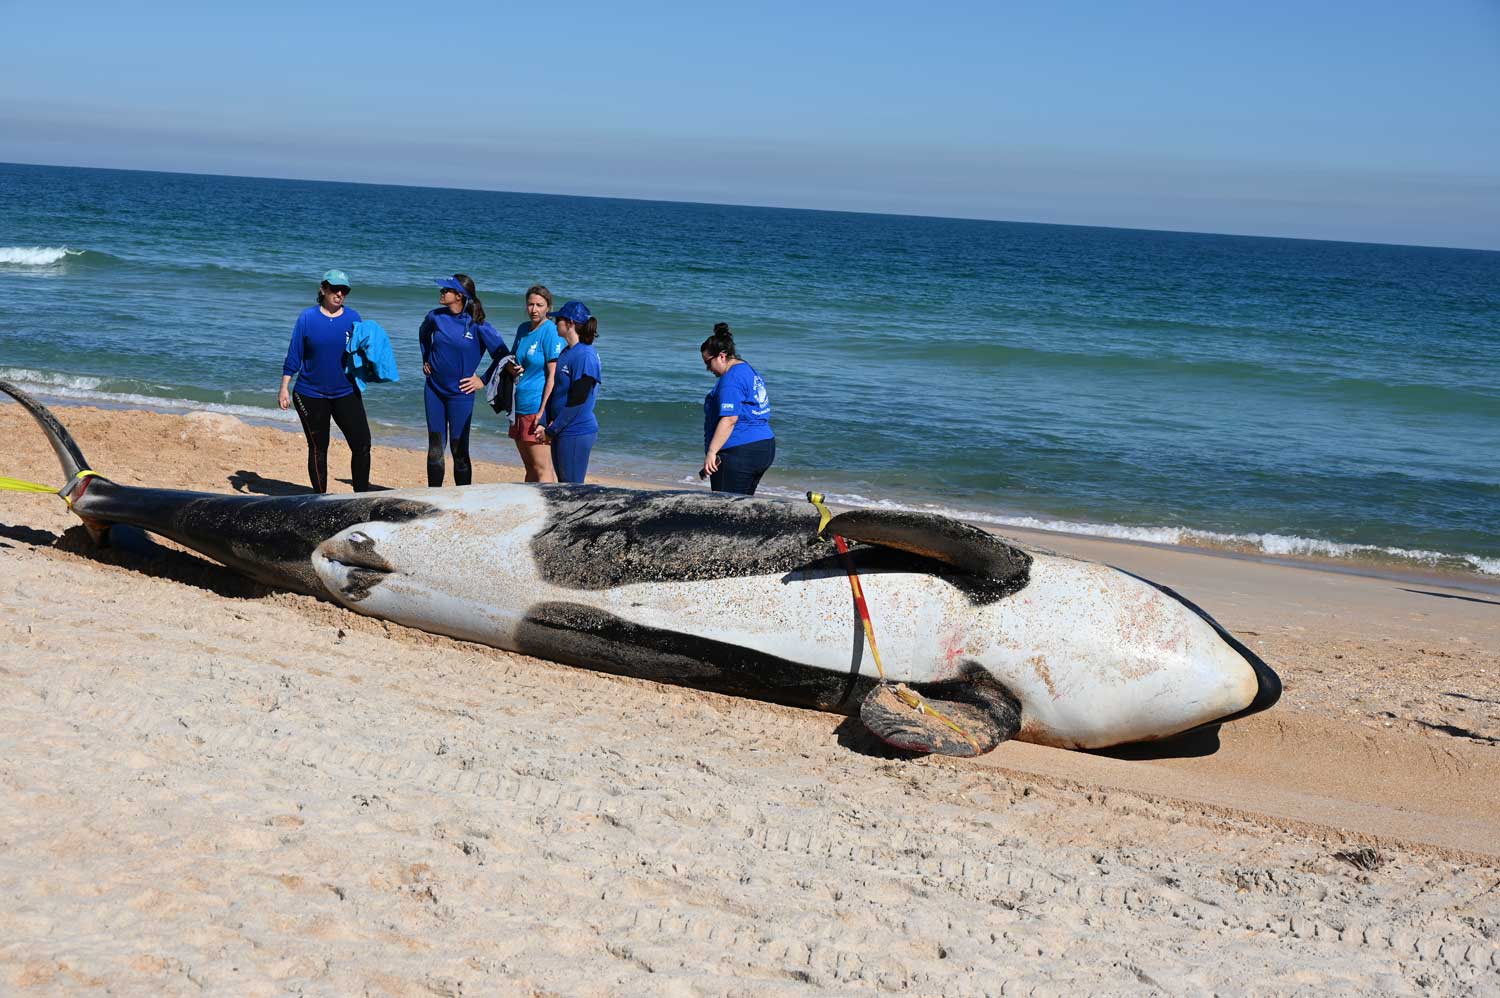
<point x="35" y="256"/>
<point x="84" y="388"/>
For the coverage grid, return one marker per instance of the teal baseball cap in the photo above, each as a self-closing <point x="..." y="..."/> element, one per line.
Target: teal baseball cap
<point x="336" y="279"/>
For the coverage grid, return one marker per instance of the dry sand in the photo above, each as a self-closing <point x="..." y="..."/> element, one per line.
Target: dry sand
<point x="206" y="786"/>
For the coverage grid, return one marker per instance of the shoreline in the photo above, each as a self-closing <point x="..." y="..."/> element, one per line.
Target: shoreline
<point x="405" y="439"/>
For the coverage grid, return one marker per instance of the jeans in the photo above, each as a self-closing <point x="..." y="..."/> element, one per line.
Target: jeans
<point x="740" y="468"/>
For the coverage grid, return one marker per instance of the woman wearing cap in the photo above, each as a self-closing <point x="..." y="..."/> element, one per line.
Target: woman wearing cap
<point x="738" y="443"/>
<point x="571" y="427"/>
<point x="324" y="391"/>
<point x="536" y="349"/>
<point x="453" y="337"/>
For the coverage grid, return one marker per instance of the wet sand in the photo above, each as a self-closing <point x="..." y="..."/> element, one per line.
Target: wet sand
<point x="209" y="786"/>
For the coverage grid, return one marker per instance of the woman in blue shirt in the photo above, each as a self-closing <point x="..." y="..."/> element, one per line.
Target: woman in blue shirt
<point x="571" y="427"/>
<point x="738" y="445"/>
<point x="324" y="391"/>
<point x="536" y="349"/>
<point x="454" y="336"/>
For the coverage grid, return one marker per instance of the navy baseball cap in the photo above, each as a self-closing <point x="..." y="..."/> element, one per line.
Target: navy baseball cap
<point x="451" y="285"/>
<point x="575" y="312"/>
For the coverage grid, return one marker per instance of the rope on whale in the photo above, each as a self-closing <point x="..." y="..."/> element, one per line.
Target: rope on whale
<point x="901" y="691"/>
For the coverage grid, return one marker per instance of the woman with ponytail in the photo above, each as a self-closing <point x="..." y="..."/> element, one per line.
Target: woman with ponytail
<point x="571" y="427"/>
<point x="738" y="444"/>
<point x="454" y="336"/>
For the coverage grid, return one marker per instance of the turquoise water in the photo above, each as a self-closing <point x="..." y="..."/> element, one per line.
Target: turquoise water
<point x="1280" y="396"/>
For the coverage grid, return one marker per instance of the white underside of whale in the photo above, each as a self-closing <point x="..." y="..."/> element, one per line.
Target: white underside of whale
<point x="1094" y="656"/>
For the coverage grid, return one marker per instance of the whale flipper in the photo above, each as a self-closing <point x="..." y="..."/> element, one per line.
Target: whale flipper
<point x="964" y="718"/>
<point x="950" y="542"/>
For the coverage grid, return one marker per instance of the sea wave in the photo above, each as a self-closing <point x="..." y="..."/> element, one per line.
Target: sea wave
<point x="86" y="388"/>
<point x="1264" y="545"/>
<point x="35" y="256"/>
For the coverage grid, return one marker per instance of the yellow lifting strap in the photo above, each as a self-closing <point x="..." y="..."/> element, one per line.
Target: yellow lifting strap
<point x="20" y="485"/>
<point x="17" y="485"/>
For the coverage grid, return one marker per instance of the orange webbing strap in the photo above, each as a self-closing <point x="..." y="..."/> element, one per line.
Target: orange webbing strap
<point x="908" y="696"/>
<point x="816" y="498"/>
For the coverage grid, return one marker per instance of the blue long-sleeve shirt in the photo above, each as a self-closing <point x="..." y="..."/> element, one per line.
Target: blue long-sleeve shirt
<point x="316" y="353"/>
<point x="452" y="345"/>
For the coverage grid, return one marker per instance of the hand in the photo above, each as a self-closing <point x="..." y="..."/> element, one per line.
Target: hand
<point x="426" y="368"/>
<point x="711" y="462"/>
<point x="540" y="433"/>
<point x="470" y="385"/>
<point x="284" y="399"/>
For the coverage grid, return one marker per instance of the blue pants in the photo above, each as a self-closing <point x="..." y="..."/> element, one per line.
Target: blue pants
<point x="740" y="467"/>
<point x="448" y="417"/>
<point x="570" y="456"/>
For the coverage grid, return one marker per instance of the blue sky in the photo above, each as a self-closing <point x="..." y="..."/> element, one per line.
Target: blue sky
<point x="1371" y="121"/>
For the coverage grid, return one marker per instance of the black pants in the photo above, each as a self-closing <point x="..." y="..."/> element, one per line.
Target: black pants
<point x="463" y="468"/>
<point x="349" y="413"/>
<point x="740" y="467"/>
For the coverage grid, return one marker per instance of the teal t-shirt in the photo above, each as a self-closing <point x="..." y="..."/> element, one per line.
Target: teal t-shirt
<point x="533" y="348"/>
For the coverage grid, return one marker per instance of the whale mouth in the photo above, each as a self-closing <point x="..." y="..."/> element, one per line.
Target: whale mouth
<point x="356" y="563"/>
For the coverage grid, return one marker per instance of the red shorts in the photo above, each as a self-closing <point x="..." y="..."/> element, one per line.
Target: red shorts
<point x="524" y="428"/>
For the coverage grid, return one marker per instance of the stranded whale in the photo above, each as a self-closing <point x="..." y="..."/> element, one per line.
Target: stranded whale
<point x="737" y="595"/>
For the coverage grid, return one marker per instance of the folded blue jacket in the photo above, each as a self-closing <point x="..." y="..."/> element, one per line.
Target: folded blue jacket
<point x="368" y="358"/>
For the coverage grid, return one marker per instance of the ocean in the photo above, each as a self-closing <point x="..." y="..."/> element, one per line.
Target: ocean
<point x="1279" y="397"/>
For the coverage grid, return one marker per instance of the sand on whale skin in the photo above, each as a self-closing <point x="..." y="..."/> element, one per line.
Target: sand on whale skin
<point x="208" y="786"/>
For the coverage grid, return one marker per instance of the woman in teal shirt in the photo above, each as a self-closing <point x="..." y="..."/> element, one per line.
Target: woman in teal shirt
<point x="536" y="349"/>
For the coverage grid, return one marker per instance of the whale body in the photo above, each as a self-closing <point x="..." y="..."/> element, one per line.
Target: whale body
<point x="738" y="595"/>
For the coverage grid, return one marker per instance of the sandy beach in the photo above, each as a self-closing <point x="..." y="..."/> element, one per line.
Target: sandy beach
<point x="207" y="786"/>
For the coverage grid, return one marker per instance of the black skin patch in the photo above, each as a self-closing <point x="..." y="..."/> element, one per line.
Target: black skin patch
<point x="593" y="639"/>
<point x="584" y="636"/>
<point x="269" y="538"/>
<point x="602" y="538"/>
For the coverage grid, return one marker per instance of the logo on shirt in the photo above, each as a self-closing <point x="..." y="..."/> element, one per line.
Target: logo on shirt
<point x="761" y="398"/>
<point x="468" y="334"/>
<point x="726" y="407"/>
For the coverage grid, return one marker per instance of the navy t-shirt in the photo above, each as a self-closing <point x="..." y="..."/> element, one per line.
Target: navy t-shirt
<point x="577" y="361"/>
<point x="452" y="345"/>
<point x="316" y="353"/>
<point x="739" y="392"/>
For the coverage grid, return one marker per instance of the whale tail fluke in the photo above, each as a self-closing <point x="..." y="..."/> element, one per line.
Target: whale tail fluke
<point x="965" y="718"/>
<point x="74" y="465"/>
<point x="73" y="461"/>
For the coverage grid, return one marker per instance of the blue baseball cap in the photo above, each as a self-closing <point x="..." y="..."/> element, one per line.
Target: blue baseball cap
<point x="336" y="279"/>
<point x="452" y="285"/>
<point x="575" y="312"/>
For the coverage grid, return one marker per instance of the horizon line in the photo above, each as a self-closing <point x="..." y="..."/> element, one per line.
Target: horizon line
<point x="741" y="204"/>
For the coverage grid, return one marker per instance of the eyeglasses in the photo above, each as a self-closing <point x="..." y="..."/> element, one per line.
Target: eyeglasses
<point x="708" y="362"/>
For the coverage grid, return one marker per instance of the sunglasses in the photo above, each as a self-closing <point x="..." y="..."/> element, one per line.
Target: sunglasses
<point x="342" y="292"/>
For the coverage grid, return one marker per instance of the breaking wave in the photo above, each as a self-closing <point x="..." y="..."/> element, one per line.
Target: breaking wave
<point x="35" y="256"/>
